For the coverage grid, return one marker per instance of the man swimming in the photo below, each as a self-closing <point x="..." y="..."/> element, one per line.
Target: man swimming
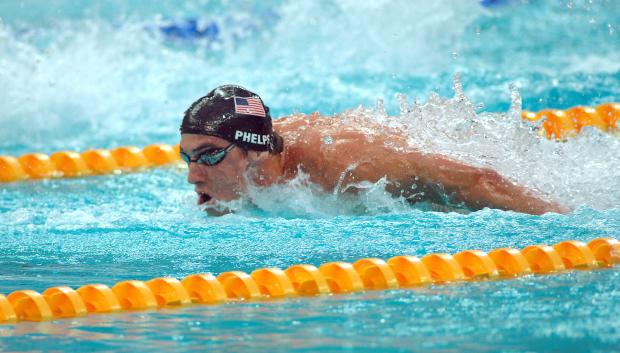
<point x="229" y="142"/>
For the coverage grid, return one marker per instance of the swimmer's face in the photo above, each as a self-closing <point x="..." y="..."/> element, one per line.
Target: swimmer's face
<point x="224" y="181"/>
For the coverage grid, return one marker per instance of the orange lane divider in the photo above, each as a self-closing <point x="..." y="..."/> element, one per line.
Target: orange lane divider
<point x="561" y="124"/>
<point x="67" y="164"/>
<point x="306" y="280"/>
<point x="510" y="262"/>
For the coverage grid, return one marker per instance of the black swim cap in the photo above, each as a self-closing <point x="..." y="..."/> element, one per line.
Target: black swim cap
<point x="235" y="114"/>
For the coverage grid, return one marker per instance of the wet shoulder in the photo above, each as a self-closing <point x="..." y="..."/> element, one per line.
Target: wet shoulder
<point x="302" y="136"/>
<point x="323" y="146"/>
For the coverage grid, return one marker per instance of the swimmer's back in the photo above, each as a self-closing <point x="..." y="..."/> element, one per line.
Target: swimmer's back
<point x="335" y="151"/>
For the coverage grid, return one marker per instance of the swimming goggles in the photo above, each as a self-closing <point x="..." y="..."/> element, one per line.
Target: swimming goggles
<point x="209" y="157"/>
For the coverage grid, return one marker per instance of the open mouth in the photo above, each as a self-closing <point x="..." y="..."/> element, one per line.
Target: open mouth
<point x="203" y="198"/>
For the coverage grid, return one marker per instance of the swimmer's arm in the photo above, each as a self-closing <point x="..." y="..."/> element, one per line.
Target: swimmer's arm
<point x="482" y="187"/>
<point x="353" y="157"/>
<point x="477" y="187"/>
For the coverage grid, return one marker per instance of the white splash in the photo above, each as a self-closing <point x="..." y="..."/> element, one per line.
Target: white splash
<point x="576" y="172"/>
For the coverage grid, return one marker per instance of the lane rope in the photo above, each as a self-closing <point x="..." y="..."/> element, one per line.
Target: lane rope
<point x="68" y="164"/>
<point x="562" y="124"/>
<point x="307" y="280"/>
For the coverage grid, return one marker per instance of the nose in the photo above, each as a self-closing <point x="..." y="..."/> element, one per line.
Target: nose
<point x="196" y="174"/>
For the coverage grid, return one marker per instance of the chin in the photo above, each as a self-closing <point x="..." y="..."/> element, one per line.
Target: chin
<point x="217" y="212"/>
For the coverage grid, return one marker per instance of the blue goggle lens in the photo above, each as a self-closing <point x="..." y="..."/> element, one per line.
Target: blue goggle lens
<point x="209" y="159"/>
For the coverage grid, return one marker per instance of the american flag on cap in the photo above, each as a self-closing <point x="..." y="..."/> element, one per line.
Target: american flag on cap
<point x="249" y="106"/>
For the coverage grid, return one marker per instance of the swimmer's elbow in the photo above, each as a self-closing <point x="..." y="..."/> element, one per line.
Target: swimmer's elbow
<point x="489" y="177"/>
<point x="485" y="181"/>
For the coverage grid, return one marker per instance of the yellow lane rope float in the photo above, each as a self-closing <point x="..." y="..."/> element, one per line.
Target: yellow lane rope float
<point x="307" y="280"/>
<point x="92" y="162"/>
<point x="561" y="124"/>
<point x="556" y="124"/>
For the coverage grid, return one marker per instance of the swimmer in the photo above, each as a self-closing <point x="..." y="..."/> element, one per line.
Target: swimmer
<point x="228" y="140"/>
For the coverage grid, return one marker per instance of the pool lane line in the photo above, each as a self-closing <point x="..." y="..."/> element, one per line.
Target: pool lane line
<point x="562" y="124"/>
<point x="555" y="124"/>
<point x="68" y="164"/>
<point x="307" y="280"/>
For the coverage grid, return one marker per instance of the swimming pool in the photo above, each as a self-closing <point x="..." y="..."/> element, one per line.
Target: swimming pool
<point x="79" y="75"/>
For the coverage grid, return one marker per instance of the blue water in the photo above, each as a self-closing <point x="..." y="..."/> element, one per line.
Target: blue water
<point x="77" y="75"/>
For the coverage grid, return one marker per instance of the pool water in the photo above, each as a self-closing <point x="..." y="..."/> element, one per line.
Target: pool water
<point x="77" y="75"/>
